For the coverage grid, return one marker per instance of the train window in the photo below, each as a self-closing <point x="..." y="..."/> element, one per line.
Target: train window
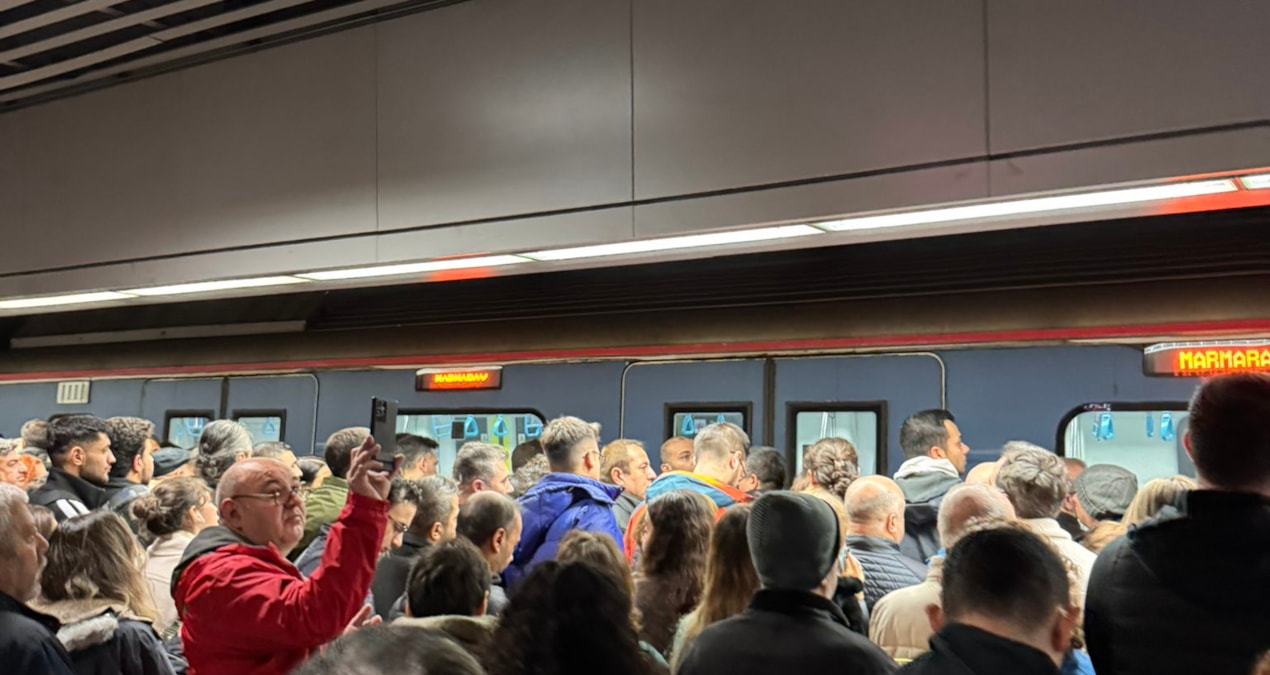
<point x="183" y="427"/>
<point x="686" y="419"/>
<point x="862" y="423"/>
<point x="263" y="425"/>
<point x="452" y="428"/>
<point x="1145" y="438"/>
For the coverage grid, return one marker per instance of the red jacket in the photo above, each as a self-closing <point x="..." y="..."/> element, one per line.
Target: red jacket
<point x="246" y="610"/>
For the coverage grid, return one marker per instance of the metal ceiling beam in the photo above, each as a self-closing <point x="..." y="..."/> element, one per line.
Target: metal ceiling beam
<point x="104" y="28"/>
<point x="6" y="5"/>
<point x="49" y="18"/>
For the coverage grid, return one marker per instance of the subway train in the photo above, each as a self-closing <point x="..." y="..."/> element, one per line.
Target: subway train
<point x="1087" y="339"/>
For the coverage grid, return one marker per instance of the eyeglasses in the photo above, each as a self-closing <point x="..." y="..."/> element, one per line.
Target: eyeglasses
<point x="278" y="497"/>
<point x="399" y="526"/>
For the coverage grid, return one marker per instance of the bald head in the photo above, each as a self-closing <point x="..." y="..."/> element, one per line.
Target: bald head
<point x="247" y="476"/>
<point x="984" y="473"/>
<point x="258" y="499"/>
<point x="967" y="505"/>
<point x="875" y="505"/>
<point x="677" y="454"/>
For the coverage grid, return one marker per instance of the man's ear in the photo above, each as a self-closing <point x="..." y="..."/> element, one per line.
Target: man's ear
<point x="138" y="463"/>
<point x="436" y="532"/>
<point x="76" y="455"/>
<point x="496" y="541"/>
<point x="479" y="485"/>
<point x="935" y="615"/>
<point x="936" y="452"/>
<point x="665" y="467"/>
<point x="1065" y="621"/>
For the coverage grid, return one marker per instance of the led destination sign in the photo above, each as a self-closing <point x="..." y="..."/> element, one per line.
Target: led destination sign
<point x="437" y="379"/>
<point x="1196" y="359"/>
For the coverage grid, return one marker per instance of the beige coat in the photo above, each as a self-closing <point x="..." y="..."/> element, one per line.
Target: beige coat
<point x="1081" y="557"/>
<point x="899" y="624"/>
<point x="164" y="554"/>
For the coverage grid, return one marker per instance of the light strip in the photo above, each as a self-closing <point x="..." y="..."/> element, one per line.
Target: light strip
<point x="675" y="243"/>
<point x="69" y="299"/>
<point x="1259" y="181"/>
<point x="1016" y="207"/>
<point x="414" y="268"/>
<point x="211" y="286"/>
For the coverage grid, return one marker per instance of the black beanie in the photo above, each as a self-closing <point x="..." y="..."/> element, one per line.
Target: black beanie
<point x="794" y="540"/>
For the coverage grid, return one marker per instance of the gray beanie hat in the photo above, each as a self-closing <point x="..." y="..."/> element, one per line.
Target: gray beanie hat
<point x="794" y="540"/>
<point x="1105" y="491"/>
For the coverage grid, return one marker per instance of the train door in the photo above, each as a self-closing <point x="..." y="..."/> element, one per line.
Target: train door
<point x="863" y="398"/>
<point x="181" y="407"/>
<point x="276" y="408"/>
<point x="677" y="398"/>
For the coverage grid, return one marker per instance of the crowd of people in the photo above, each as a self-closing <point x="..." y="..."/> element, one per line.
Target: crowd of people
<point x="570" y="556"/>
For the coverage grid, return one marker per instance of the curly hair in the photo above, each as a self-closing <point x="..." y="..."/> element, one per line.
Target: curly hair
<point x="673" y="566"/>
<point x="567" y="619"/>
<point x="831" y="463"/>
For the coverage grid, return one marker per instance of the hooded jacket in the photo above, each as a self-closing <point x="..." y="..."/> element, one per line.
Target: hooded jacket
<point x="1185" y="592"/>
<point x="68" y="496"/>
<point x="719" y="493"/>
<point x="559" y="503"/>
<point x="958" y="649"/>
<point x="245" y="609"/>
<point x="104" y="638"/>
<point x="474" y="634"/>
<point x="923" y="493"/>
<point x="27" y="642"/>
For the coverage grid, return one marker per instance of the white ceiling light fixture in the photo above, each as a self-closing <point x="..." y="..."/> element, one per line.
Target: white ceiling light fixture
<point x="1032" y="205"/>
<point x="68" y="299"/>
<point x="213" y="286"/>
<point x="675" y="243"/>
<point x="1259" y="181"/>
<point x="414" y="268"/>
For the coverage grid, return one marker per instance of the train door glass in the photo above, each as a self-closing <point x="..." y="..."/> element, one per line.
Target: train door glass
<point x="860" y="423"/>
<point x="1145" y="438"/>
<point x="183" y="427"/>
<point x="452" y="428"/>
<point x="686" y="419"/>
<point x="263" y="425"/>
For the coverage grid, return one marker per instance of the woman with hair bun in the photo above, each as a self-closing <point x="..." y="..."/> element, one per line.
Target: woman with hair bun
<point x="830" y="464"/>
<point x="173" y="512"/>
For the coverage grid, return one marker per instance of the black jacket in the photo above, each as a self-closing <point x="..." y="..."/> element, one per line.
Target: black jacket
<point x="923" y="494"/>
<point x="1185" y="592"/>
<point x="784" y="632"/>
<point x="109" y="645"/>
<point x="964" y="650"/>
<point x="391" y="573"/>
<point x="68" y="496"/>
<point x="27" y="642"/>
<point x="885" y="568"/>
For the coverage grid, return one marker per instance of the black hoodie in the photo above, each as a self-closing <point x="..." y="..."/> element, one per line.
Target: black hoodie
<point x="68" y="496"/>
<point x="1186" y="592"/>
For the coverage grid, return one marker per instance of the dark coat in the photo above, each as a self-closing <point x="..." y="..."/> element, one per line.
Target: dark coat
<point x="391" y="573"/>
<point x="662" y="604"/>
<point x="27" y="641"/>
<point x="885" y="568"/>
<point x="963" y="650"/>
<point x="68" y="496"/>
<point x="1185" y="592"/>
<point x="110" y="645"/>
<point x="923" y="493"/>
<point x="784" y="632"/>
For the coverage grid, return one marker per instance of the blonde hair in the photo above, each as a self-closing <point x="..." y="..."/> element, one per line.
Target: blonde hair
<point x="1103" y="533"/>
<point x="1155" y="495"/>
<point x="95" y="557"/>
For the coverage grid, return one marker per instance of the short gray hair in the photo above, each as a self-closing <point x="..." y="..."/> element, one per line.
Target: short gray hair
<point x="717" y="440"/>
<point x="965" y="506"/>
<point x="476" y="461"/>
<point x="435" y="496"/>
<point x="561" y="438"/>
<point x="224" y="436"/>
<point x="1035" y="480"/>
<point x="10" y="497"/>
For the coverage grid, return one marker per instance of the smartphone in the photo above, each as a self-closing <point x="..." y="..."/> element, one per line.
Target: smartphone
<point x="383" y="426"/>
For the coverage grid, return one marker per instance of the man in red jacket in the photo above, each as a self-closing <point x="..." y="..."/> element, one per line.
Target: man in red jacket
<point x="244" y="608"/>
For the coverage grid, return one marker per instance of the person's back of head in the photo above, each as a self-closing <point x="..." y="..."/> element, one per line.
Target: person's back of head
<point x="448" y="579"/>
<point x="222" y="444"/>
<point x="721" y="450"/>
<point x="419" y="455"/>
<point x="35" y="434"/>
<point x="568" y="619"/>
<point x="1105" y="532"/>
<point x="173" y="505"/>
<point x="272" y="450"/>
<point x="1035" y="480"/>
<point x="477" y="467"/>
<point x="571" y="446"/>
<point x="489" y="520"/>
<point x="730" y="576"/>
<point x="968" y="505"/>
<point x="130" y="437"/>
<point x="437" y="509"/>
<point x="310" y="469"/>
<point x="524" y="452"/>
<point x="392" y="650"/>
<point x="681" y="522"/>
<point x="530" y="474"/>
<point x="767" y="465"/>
<point x="924" y="430"/>
<point x="1229" y="433"/>
<point x="875" y="506"/>
<point x="831" y="463"/>
<point x="1155" y="495"/>
<point x="599" y="550"/>
<point x="794" y="542"/>
<point x="95" y="557"/>
<point x="1104" y="492"/>
<point x="1010" y="583"/>
<point x="338" y="452"/>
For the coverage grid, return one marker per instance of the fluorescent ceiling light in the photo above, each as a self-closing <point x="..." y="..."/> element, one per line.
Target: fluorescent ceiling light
<point x="210" y="286"/>
<point x="676" y="243"/>
<point x="1260" y="181"/>
<point x="69" y="299"/>
<point x="1016" y="207"/>
<point x="414" y="268"/>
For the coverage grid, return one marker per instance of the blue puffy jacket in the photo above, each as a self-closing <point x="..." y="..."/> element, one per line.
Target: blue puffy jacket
<point x="560" y="502"/>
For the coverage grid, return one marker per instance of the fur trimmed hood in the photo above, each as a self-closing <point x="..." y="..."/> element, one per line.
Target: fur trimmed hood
<point x="88" y="623"/>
